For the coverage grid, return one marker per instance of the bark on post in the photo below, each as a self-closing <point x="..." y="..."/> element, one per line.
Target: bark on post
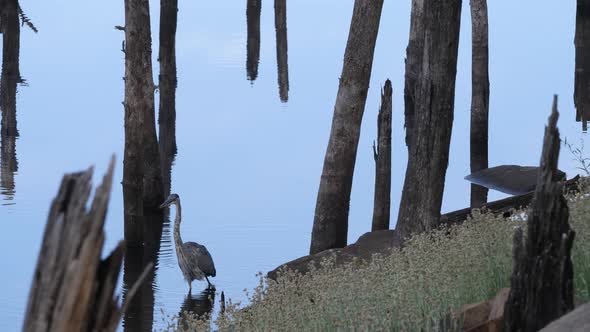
<point x="582" y="72"/>
<point x="413" y="65"/>
<point x="433" y="95"/>
<point x="282" y="49"/>
<point x="542" y="277"/>
<point x="330" y="225"/>
<point x="142" y="178"/>
<point x="253" y="9"/>
<point x="10" y="28"/>
<point x="382" y="156"/>
<point x="73" y="289"/>
<point x="480" y="95"/>
<point x="167" y="87"/>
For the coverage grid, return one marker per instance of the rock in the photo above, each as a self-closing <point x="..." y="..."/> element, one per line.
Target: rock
<point x="370" y="243"/>
<point x="576" y="321"/>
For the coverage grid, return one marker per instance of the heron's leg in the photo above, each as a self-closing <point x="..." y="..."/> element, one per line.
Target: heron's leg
<point x="190" y="287"/>
<point x="209" y="284"/>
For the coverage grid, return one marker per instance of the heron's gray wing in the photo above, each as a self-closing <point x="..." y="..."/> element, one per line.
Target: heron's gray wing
<point x="200" y="257"/>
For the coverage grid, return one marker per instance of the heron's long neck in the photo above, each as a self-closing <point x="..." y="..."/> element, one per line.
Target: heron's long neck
<point x="177" y="238"/>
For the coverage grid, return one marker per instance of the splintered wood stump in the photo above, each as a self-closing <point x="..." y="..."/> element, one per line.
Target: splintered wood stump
<point x="73" y="289"/>
<point x="542" y="277"/>
<point x="382" y="156"/>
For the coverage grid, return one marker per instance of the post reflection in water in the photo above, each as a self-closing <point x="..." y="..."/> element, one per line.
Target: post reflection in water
<point x="282" y="49"/>
<point x="10" y="77"/>
<point x="253" y="10"/>
<point x="140" y="313"/>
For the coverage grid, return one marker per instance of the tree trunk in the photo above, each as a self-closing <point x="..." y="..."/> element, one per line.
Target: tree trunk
<point x="480" y="95"/>
<point x="73" y="289"/>
<point x="414" y="53"/>
<point x="330" y="225"/>
<point x="142" y="179"/>
<point x="582" y="73"/>
<point x="10" y="29"/>
<point x="433" y="96"/>
<point x="382" y="156"/>
<point x="167" y="86"/>
<point x="253" y="9"/>
<point x="282" y="47"/>
<point x="542" y="277"/>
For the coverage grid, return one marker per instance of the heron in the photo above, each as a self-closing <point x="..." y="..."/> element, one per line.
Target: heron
<point x="194" y="259"/>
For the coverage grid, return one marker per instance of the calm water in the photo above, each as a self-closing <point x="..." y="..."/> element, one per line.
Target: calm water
<point x="248" y="165"/>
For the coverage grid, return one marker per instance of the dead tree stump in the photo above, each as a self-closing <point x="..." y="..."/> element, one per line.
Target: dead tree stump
<point x="382" y="156"/>
<point x="542" y="276"/>
<point x="73" y="289"/>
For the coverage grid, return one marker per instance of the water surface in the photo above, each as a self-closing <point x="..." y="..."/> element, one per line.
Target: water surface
<point x="248" y="164"/>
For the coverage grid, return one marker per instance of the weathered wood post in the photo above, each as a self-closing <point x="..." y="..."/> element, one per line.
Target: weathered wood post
<point x="480" y="97"/>
<point x="142" y="177"/>
<point x="282" y="49"/>
<point x="542" y="277"/>
<point x="382" y="156"/>
<point x="73" y="289"/>
<point x="330" y="224"/>
<point x="167" y="87"/>
<point x="253" y="10"/>
<point x="582" y="64"/>
<point x="10" y="28"/>
<point x="430" y="88"/>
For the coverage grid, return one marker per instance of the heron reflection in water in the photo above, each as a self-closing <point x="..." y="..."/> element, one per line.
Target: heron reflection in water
<point x="194" y="259"/>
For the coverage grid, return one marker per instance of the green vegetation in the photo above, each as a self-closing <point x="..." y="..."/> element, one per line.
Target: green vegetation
<point x="412" y="289"/>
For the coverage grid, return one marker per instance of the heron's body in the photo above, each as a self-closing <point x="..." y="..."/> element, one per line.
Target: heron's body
<point x="194" y="259"/>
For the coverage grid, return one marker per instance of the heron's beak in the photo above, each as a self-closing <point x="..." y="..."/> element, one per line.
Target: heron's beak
<point x="166" y="203"/>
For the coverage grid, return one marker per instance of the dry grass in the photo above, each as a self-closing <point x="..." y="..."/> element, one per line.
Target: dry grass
<point x="412" y="289"/>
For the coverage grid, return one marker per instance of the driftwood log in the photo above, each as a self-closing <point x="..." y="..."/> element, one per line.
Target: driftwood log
<point x="382" y="156"/>
<point x="73" y="289"/>
<point x="542" y="276"/>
